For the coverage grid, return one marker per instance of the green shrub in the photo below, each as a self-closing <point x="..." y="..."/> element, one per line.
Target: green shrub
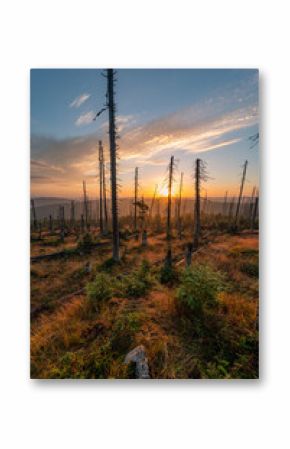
<point x="199" y="288"/>
<point x="139" y="282"/>
<point x="99" y="290"/>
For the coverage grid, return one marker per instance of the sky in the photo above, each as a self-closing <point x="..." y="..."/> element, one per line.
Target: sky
<point x="187" y="113"/>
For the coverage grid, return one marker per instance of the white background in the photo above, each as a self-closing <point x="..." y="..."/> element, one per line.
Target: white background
<point x="163" y="414"/>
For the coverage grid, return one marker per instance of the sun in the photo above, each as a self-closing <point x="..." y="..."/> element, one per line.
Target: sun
<point x="163" y="191"/>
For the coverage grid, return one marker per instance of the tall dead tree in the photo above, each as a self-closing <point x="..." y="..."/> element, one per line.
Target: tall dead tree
<point x="252" y="202"/>
<point x="197" y="177"/>
<point x="101" y="187"/>
<point x="135" y="199"/>
<point x="255" y="211"/>
<point x="200" y="174"/>
<point x="179" y="205"/>
<point x="34" y="219"/>
<point x="113" y="156"/>
<point x="105" y="194"/>
<point x="86" y="210"/>
<point x="169" y="197"/>
<point x="236" y="220"/>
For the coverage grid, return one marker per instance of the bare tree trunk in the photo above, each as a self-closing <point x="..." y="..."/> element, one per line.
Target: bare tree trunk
<point x="255" y="213"/>
<point x="197" y="205"/>
<point x="105" y="193"/>
<point x="236" y="221"/>
<point x="251" y="206"/>
<point x="101" y="186"/>
<point x="179" y="206"/>
<point x="113" y="150"/>
<point x="135" y="201"/>
<point x="86" y="212"/>
<point x="50" y="224"/>
<point x="34" y="219"/>
<point x="168" y="230"/>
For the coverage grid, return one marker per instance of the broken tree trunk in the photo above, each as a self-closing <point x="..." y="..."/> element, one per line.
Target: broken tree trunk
<point x="236" y="221"/>
<point x="170" y="178"/>
<point x="135" y="202"/>
<point x="179" y="207"/>
<point x="101" y="186"/>
<point x="197" y="205"/>
<point x="34" y="219"/>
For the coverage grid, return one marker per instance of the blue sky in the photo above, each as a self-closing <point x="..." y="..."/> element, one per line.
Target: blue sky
<point x="188" y="113"/>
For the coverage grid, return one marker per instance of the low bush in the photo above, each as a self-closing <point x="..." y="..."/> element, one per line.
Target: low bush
<point x="199" y="288"/>
<point x="99" y="290"/>
<point x="139" y="282"/>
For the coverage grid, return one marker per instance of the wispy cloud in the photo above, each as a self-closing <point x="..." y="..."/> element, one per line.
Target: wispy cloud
<point x="211" y="125"/>
<point x="78" y="101"/>
<point x="85" y="119"/>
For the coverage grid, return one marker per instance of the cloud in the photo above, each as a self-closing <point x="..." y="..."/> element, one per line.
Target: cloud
<point x="78" y="101"/>
<point x="215" y="123"/>
<point x="186" y="130"/>
<point x="85" y="119"/>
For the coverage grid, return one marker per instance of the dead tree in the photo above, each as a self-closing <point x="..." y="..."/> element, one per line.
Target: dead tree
<point x="236" y="220"/>
<point x="86" y="211"/>
<point x="105" y="194"/>
<point x="82" y="224"/>
<point x="252" y="202"/>
<point x="34" y="219"/>
<point x="143" y="210"/>
<point x="113" y="156"/>
<point x="169" y="196"/>
<point x="179" y="205"/>
<point x="200" y="174"/>
<point x="197" y="177"/>
<point x="255" y="211"/>
<point x="101" y="186"/>
<point x="135" y="201"/>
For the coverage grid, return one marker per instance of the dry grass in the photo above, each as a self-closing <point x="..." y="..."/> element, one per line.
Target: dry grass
<point x="73" y="341"/>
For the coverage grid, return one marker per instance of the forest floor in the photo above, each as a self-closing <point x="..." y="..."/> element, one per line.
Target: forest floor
<point x="71" y="338"/>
